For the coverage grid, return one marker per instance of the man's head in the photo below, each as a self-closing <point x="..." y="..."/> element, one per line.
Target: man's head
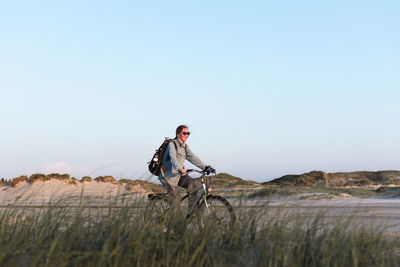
<point x="182" y="133"/>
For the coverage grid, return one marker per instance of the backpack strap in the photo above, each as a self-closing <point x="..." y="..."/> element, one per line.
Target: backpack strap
<point x="176" y="147"/>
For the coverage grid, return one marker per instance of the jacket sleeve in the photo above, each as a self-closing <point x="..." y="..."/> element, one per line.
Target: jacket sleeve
<point x="172" y="155"/>
<point x="192" y="158"/>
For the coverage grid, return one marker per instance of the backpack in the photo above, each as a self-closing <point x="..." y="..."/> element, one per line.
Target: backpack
<point x="156" y="161"/>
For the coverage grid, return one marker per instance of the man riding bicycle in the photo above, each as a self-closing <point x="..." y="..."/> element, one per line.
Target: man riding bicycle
<point x="173" y="172"/>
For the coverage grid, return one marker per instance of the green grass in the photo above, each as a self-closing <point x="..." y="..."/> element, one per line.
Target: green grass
<point x="66" y="236"/>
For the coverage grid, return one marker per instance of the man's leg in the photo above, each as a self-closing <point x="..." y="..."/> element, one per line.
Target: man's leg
<point x="189" y="184"/>
<point x="173" y="193"/>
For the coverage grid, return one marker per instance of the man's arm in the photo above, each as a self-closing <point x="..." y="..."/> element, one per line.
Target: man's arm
<point x="192" y="158"/>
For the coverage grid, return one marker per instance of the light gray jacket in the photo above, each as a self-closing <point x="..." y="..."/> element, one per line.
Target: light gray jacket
<point x="175" y="156"/>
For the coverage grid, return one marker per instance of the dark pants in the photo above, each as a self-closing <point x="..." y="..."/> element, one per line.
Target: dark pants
<point x="186" y="182"/>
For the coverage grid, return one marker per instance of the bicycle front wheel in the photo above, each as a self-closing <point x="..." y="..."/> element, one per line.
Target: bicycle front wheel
<point x="216" y="212"/>
<point x="157" y="209"/>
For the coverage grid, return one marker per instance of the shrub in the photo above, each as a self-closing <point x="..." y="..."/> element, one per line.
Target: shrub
<point x="106" y="179"/>
<point x="86" y="179"/>
<point x="38" y="177"/>
<point x="18" y="180"/>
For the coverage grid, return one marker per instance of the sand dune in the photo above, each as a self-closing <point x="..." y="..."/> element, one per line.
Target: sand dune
<point x="42" y="192"/>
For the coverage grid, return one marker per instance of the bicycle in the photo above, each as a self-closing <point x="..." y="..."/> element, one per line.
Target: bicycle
<point x="208" y="208"/>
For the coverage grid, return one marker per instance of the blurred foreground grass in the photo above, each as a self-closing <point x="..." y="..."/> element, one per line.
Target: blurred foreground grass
<point x="58" y="235"/>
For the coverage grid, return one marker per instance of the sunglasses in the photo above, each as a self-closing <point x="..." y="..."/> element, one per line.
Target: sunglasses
<point x="186" y="133"/>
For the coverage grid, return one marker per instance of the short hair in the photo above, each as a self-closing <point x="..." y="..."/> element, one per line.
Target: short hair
<point x="180" y="128"/>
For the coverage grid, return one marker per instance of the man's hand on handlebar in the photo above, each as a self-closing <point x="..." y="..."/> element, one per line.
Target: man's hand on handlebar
<point x="208" y="169"/>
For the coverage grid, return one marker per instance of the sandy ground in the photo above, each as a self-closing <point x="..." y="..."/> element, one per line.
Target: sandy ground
<point x="370" y="212"/>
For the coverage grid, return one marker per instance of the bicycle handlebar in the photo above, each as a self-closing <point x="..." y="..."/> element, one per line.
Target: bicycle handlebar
<point x="206" y="171"/>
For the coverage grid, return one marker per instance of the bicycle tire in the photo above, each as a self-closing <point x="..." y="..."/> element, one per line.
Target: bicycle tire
<point x="218" y="213"/>
<point x="157" y="208"/>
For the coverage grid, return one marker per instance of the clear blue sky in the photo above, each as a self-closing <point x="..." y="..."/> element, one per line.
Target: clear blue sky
<point x="268" y="89"/>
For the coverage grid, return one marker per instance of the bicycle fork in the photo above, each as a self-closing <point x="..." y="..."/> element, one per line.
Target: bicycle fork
<point x="197" y="201"/>
<point x="205" y="198"/>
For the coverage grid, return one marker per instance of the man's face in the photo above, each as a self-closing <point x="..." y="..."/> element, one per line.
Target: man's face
<point x="184" y="135"/>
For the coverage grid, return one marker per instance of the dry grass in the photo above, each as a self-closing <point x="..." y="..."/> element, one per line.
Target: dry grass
<point x="57" y="235"/>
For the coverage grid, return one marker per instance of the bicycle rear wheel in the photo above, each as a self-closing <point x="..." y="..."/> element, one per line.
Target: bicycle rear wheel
<point x="157" y="209"/>
<point x="217" y="212"/>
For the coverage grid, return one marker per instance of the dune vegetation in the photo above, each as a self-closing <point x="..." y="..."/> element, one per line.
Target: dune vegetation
<point x="59" y="235"/>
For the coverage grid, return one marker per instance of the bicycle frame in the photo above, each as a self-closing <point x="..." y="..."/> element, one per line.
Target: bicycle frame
<point x="203" y="195"/>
